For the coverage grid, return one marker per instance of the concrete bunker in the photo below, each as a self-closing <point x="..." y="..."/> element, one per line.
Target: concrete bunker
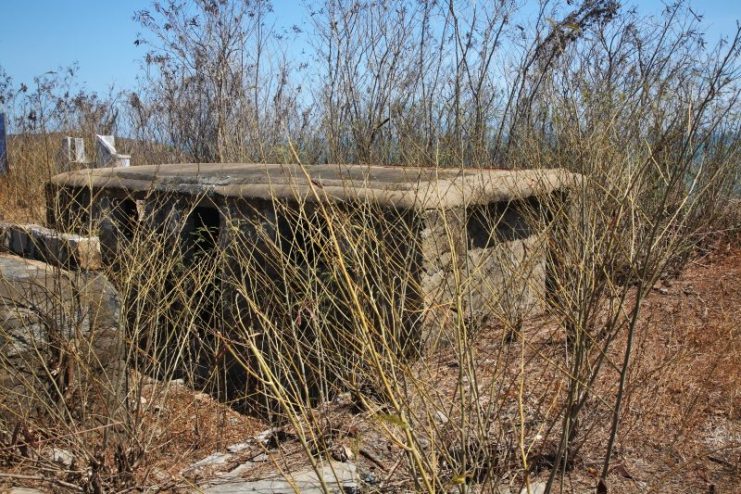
<point x="405" y="234"/>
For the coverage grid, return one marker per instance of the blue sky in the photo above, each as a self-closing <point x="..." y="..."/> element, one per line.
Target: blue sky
<point x="41" y="35"/>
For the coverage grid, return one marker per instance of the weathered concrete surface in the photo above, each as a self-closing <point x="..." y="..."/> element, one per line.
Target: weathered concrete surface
<point x="335" y="477"/>
<point x="67" y="250"/>
<point x="58" y="334"/>
<point x="479" y="264"/>
<point x="393" y="186"/>
<point x="427" y="248"/>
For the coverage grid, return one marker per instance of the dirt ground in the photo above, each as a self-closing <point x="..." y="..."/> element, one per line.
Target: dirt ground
<point x="682" y="426"/>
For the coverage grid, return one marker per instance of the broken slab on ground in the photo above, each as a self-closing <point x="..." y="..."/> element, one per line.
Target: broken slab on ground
<point x="58" y="335"/>
<point x="67" y="250"/>
<point x="332" y="477"/>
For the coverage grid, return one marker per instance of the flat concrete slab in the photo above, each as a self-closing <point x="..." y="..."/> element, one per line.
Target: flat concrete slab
<point x="66" y="250"/>
<point x="403" y="187"/>
<point x="334" y="477"/>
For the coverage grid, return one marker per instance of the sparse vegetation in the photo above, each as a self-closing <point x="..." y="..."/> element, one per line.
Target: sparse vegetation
<point x="628" y="383"/>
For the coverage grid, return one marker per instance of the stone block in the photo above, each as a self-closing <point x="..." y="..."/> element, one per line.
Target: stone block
<point x="66" y="250"/>
<point x="49" y="318"/>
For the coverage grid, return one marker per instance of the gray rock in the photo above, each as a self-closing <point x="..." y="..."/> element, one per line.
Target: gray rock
<point x="236" y="448"/>
<point x="61" y="456"/>
<point x="441" y="417"/>
<point x="55" y="324"/>
<point x="264" y="436"/>
<point x="58" y="299"/>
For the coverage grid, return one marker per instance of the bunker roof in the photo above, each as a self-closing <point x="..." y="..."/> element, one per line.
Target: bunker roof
<point x="393" y="186"/>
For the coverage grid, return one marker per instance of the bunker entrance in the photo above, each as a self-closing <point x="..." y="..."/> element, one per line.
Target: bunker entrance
<point x="200" y="262"/>
<point x="201" y="236"/>
<point x="502" y="222"/>
<point x="128" y="218"/>
<point x="117" y="230"/>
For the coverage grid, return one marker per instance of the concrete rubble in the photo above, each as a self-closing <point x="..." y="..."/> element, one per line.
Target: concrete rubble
<point x="51" y="316"/>
<point x="66" y="250"/>
<point x="332" y="477"/>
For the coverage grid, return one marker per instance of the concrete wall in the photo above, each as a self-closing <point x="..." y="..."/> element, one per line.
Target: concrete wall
<point x="418" y="274"/>
<point x="481" y="266"/>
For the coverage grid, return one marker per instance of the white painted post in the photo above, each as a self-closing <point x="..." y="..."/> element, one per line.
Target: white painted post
<point x="79" y="150"/>
<point x="72" y="151"/>
<point x="66" y="152"/>
<point x="106" y="149"/>
<point x="107" y="155"/>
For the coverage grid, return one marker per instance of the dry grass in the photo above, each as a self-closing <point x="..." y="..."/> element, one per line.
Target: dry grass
<point x="681" y="433"/>
<point x="629" y="380"/>
<point x="494" y="407"/>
